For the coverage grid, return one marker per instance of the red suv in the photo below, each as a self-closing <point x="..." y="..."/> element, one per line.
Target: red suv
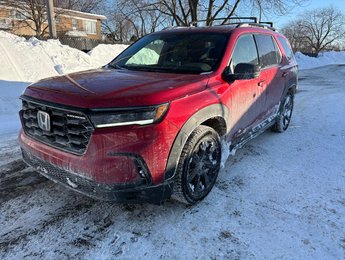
<point x="149" y="125"/>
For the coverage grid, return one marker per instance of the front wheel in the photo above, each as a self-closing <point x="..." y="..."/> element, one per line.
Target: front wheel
<point x="198" y="166"/>
<point x="285" y="113"/>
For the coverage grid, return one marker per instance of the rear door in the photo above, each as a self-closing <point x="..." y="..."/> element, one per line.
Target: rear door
<point x="272" y="83"/>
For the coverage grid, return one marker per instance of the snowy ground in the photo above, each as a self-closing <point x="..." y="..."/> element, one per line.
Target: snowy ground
<point x="282" y="196"/>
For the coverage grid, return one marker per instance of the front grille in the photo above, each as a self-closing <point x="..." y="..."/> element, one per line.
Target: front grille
<point x="69" y="130"/>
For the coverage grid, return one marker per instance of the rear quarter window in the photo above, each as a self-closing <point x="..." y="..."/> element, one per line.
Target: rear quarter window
<point x="287" y="48"/>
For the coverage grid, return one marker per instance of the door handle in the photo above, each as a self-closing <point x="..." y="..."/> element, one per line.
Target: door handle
<point x="261" y="83"/>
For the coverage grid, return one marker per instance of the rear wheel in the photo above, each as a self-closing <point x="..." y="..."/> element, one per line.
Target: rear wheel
<point x="198" y="166"/>
<point x="285" y="113"/>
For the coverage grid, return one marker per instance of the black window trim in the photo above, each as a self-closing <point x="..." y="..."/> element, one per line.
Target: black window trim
<point x="277" y="46"/>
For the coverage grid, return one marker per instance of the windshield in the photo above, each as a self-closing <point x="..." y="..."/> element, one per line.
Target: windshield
<point x="176" y="53"/>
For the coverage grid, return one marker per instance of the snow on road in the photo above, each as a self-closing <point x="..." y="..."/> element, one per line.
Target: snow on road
<point x="282" y="196"/>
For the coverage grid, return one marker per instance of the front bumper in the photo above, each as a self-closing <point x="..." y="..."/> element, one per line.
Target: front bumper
<point x="126" y="193"/>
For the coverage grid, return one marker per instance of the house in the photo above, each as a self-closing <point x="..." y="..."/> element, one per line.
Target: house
<point x="68" y="23"/>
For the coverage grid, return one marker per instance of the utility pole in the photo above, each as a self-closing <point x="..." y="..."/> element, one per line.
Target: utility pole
<point x="51" y="19"/>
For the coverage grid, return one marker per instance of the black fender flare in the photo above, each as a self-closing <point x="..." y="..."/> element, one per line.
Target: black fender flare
<point x="212" y="111"/>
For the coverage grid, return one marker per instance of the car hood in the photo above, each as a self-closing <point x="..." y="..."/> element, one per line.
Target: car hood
<point x="116" y="88"/>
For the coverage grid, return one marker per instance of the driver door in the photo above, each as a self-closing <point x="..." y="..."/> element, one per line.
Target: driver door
<point x="245" y="100"/>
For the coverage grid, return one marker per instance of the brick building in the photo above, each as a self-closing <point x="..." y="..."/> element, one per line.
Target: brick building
<point x="68" y="22"/>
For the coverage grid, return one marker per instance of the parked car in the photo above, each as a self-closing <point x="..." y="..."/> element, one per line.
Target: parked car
<point x="149" y="125"/>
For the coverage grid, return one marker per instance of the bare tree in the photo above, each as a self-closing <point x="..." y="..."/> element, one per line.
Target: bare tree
<point x="296" y="37"/>
<point x="184" y="12"/>
<point x="132" y="19"/>
<point x="277" y="7"/>
<point x="139" y="17"/>
<point x="88" y="6"/>
<point x="31" y="14"/>
<point x="317" y="30"/>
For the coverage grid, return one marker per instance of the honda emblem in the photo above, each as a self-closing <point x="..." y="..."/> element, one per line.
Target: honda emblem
<point x="43" y="119"/>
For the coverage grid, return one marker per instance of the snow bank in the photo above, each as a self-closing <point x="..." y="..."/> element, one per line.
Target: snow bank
<point x="326" y="58"/>
<point x="104" y="53"/>
<point x="31" y="60"/>
<point x="25" y="61"/>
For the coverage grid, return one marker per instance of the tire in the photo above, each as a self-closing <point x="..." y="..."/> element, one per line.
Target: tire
<point x="285" y="113"/>
<point x="198" y="166"/>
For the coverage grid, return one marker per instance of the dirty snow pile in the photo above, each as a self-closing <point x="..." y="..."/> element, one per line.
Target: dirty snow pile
<point x="25" y="61"/>
<point x="323" y="59"/>
<point x="31" y="60"/>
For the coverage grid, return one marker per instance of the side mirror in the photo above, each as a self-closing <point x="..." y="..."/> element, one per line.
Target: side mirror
<point x="242" y="71"/>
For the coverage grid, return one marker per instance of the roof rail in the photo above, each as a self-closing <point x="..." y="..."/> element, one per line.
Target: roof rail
<point x="261" y="25"/>
<point x="254" y="22"/>
<point x="253" y="19"/>
<point x="174" y="27"/>
<point x="268" y="23"/>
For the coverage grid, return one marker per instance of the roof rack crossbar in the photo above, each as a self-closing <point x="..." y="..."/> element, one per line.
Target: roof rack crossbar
<point x="253" y="19"/>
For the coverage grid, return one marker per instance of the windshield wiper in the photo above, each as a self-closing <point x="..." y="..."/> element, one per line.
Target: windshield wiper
<point x="145" y="68"/>
<point x="115" y="66"/>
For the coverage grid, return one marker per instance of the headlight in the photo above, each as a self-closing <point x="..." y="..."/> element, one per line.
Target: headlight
<point x="128" y="116"/>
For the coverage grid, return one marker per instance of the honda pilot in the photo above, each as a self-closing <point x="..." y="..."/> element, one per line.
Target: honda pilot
<point x="151" y="124"/>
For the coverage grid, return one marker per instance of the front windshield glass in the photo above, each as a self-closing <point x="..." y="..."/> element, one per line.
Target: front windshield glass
<point x="176" y="53"/>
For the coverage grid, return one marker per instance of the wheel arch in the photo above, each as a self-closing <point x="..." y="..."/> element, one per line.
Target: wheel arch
<point x="215" y="116"/>
<point x="291" y="86"/>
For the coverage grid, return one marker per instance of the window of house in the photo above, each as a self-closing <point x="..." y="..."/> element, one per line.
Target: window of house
<point x="74" y="24"/>
<point x="90" y="27"/>
<point x="268" y="52"/>
<point x="13" y="13"/>
<point x="20" y="15"/>
<point x="245" y="51"/>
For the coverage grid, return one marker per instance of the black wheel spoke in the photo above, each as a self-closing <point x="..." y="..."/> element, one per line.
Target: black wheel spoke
<point x="191" y="175"/>
<point x="210" y="164"/>
<point x="206" y="180"/>
<point x="198" y="187"/>
<point x="195" y="159"/>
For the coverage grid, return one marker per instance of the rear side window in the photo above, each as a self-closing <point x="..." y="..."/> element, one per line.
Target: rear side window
<point x="287" y="48"/>
<point x="269" y="54"/>
<point x="245" y="51"/>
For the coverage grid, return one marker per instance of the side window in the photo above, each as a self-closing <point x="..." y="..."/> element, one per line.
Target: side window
<point x="287" y="48"/>
<point x="244" y="52"/>
<point x="268" y="53"/>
